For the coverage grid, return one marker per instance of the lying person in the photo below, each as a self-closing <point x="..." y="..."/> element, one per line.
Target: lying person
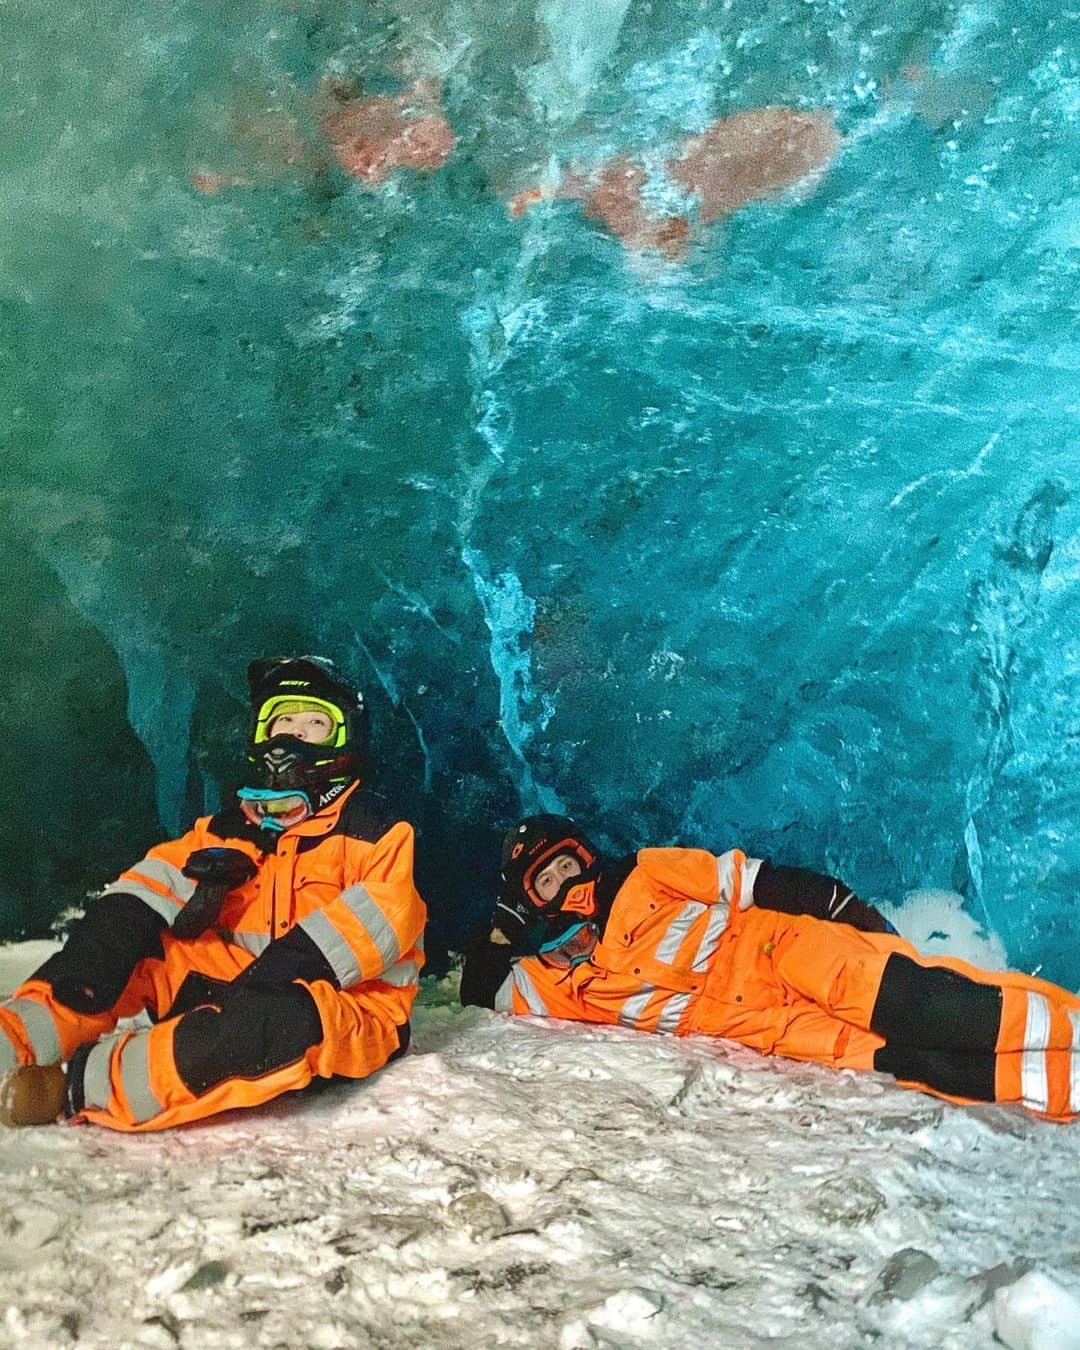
<point x="277" y="941"/>
<point x="782" y="960"/>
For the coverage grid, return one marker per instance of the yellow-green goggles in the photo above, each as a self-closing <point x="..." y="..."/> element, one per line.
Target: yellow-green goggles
<point x="282" y="704"/>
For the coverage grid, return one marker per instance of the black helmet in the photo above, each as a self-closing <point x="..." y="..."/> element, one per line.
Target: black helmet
<point x="283" y="684"/>
<point x="528" y="848"/>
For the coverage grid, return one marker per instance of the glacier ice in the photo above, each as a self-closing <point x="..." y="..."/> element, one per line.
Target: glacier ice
<point x="775" y="545"/>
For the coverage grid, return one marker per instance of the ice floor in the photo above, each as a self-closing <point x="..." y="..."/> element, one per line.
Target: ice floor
<point x="511" y="1183"/>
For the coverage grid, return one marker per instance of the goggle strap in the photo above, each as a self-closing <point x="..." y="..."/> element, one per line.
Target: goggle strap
<point x="564" y="937"/>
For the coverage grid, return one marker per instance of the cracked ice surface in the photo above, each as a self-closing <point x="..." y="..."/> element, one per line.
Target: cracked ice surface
<point x="525" y="1184"/>
<point x="776" y="545"/>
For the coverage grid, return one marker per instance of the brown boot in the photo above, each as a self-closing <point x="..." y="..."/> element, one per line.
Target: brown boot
<point x="32" y="1095"/>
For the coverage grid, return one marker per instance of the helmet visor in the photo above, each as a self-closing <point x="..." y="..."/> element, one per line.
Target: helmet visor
<point x="282" y="704"/>
<point x="570" y="846"/>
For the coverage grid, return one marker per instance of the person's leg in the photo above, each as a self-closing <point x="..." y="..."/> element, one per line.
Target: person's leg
<point x="78" y="994"/>
<point x="958" y="1031"/>
<point x="263" y="1042"/>
<point x="983" y="1035"/>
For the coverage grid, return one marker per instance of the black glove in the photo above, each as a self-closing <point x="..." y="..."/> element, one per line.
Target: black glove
<point x="292" y="957"/>
<point x="216" y="872"/>
<point x="486" y="966"/>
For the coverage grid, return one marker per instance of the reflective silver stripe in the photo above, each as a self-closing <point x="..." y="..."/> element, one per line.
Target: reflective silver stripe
<point x="504" y="998"/>
<point x="96" y="1086"/>
<point x="160" y="904"/>
<point x="1074" y="1076"/>
<point x="378" y="926"/>
<point x="333" y="946"/>
<point x="725" y="876"/>
<point x="528" y="991"/>
<point x="180" y="887"/>
<point x="1037" y="1030"/>
<point x="669" y="945"/>
<point x="419" y="943"/>
<point x="40" y="1029"/>
<point x="8" y="1058"/>
<point x="834" y="908"/>
<point x="1034" y="1089"/>
<point x="714" y="931"/>
<point x="635" y="1005"/>
<point x="750" y="868"/>
<point x="256" y="943"/>
<point x="1034" y="1085"/>
<point x="169" y="876"/>
<point x="404" y="973"/>
<point x="672" y="1014"/>
<point x="135" y="1076"/>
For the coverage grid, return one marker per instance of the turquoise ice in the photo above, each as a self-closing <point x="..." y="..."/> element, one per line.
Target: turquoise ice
<point x="775" y="546"/>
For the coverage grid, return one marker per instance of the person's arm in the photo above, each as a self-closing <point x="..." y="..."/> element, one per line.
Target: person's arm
<point x="796" y="890"/>
<point x="487" y="965"/>
<point x="158" y="880"/>
<point x="122" y="927"/>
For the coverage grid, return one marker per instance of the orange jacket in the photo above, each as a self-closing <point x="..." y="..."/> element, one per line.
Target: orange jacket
<point x="685" y="950"/>
<point x="348" y="886"/>
<point x="660" y="941"/>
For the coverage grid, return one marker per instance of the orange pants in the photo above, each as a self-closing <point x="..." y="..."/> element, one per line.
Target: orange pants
<point x="182" y="1068"/>
<point x="808" y="990"/>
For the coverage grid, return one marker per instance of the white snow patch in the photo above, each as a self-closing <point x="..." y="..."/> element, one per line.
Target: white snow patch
<point x="18" y="960"/>
<point x="1036" y="1313"/>
<point x="937" y="923"/>
<point x="513" y="1182"/>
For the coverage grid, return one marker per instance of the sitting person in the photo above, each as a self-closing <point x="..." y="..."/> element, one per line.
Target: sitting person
<point x="278" y="941"/>
<point x="782" y="960"/>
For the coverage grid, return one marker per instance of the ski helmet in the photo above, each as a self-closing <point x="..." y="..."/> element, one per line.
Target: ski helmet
<point x="280" y="763"/>
<point x="528" y="848"/>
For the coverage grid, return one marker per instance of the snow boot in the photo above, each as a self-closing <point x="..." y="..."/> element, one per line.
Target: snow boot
<point x="32" y="1095"/>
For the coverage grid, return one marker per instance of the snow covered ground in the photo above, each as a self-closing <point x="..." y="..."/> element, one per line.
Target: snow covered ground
<point x="514" y="1183"/>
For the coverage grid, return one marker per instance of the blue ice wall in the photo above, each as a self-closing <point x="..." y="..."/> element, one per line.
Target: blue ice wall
<point x="777" y="545"/>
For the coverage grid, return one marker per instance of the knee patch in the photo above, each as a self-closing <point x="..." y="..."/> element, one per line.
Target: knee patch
<point x="949" y="1071"/>
<point x="257" y="1031"/>
<point x="936" y="1009"/>
<point x="89" y="972"/>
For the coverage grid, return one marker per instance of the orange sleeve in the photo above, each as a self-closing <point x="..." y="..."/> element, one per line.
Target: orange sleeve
<point x="695" y="873"/>
<point x="533" y="989"/>
<point x="374" y="928"/>
<point x="159" y="879"/>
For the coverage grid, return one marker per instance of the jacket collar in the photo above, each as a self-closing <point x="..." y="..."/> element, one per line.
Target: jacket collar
<point x="324" y="820"/>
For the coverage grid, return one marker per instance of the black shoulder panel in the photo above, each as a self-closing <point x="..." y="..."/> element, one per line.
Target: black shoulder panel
<point x="367" y="816"/>
<point x="608" y="885"/>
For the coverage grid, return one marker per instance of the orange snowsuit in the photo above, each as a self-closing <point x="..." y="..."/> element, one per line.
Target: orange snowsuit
<point x="344" y="877"/>
<point x="684" y="950"/>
